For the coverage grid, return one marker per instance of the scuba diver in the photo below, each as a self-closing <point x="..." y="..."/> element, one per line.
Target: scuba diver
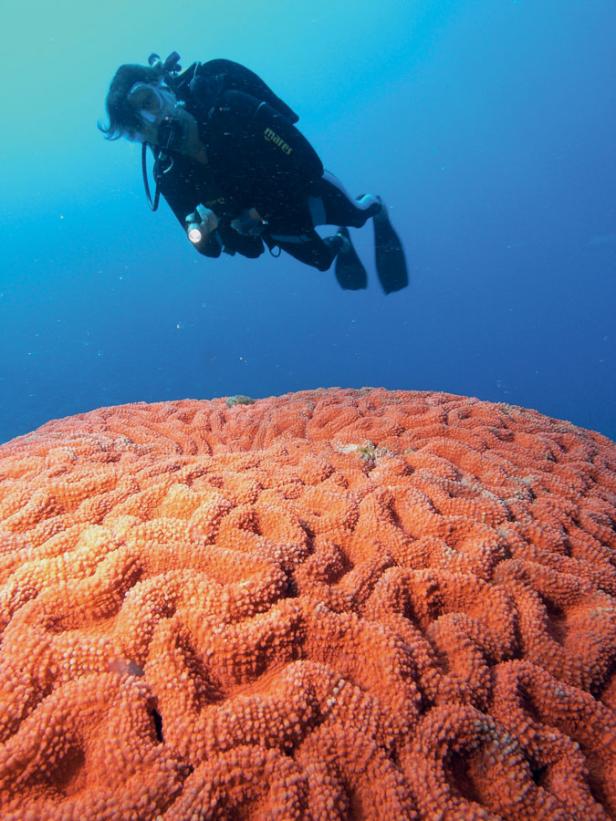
<point x="238" y="174"/>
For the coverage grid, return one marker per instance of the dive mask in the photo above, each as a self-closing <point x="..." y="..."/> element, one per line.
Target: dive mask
<point x="155" y="106"/>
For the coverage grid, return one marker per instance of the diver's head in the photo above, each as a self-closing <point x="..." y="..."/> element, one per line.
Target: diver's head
<point x="124" y="119"/>
<point x="143" y="108"/>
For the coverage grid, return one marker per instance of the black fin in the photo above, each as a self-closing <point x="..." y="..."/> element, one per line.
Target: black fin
<point x="350" y="272"/>
<point x="389" y="255"/>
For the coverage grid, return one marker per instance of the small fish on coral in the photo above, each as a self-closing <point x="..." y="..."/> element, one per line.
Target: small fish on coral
<point x="367" y="450"/>
<point x="239" y="399"/>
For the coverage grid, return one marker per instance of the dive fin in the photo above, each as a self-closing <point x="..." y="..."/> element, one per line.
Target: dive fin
<point x="389" y="254"/>
<point x="350" y="272"/>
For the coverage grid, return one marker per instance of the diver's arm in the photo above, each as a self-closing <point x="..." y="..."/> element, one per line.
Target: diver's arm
<point x="245" y="244"/>
<point x="210" y="244"/>
<point x="203" y="223"/>
<point x="222" y="238"/>
<point x="181" y="199"/>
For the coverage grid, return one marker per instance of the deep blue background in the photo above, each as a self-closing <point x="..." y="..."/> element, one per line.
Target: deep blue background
<point x="487" y="125"/>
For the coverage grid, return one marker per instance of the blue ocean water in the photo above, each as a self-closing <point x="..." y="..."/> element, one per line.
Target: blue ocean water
<point x="487" y="126"/>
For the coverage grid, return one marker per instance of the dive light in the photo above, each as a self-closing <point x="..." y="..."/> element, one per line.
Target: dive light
<point x="201" y="223"/>
<point x="195" y="235"/>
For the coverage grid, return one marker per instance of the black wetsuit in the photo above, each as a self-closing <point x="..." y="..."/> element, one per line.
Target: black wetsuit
<point x="257" y="158"/>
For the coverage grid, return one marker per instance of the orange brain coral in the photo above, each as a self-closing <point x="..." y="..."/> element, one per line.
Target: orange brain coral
<point x="326" y="605"/>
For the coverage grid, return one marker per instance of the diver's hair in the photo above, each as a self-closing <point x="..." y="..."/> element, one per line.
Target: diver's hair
<point x="122" y="118"/>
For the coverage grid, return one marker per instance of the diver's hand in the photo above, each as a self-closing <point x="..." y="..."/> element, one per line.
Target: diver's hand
<point x="249" y="223"/>
<point x="202" y="221"/>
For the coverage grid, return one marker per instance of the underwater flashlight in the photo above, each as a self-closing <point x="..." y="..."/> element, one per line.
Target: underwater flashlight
<point x="194" y="233"/>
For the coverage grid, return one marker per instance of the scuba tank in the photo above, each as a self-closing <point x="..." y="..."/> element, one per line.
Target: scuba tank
<point x="211" y="79"/>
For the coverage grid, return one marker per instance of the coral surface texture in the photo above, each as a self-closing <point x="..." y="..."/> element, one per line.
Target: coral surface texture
<point x="327" y="605"/>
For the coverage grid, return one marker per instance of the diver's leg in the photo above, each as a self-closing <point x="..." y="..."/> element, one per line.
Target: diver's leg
<point x="330" y="204"/>
<point x="389" y="254"/>
<point x="311" y="249"/>
<point x="350" y="272"/>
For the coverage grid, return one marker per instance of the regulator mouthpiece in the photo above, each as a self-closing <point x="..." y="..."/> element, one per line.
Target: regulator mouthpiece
<point x="194" y="233"/>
